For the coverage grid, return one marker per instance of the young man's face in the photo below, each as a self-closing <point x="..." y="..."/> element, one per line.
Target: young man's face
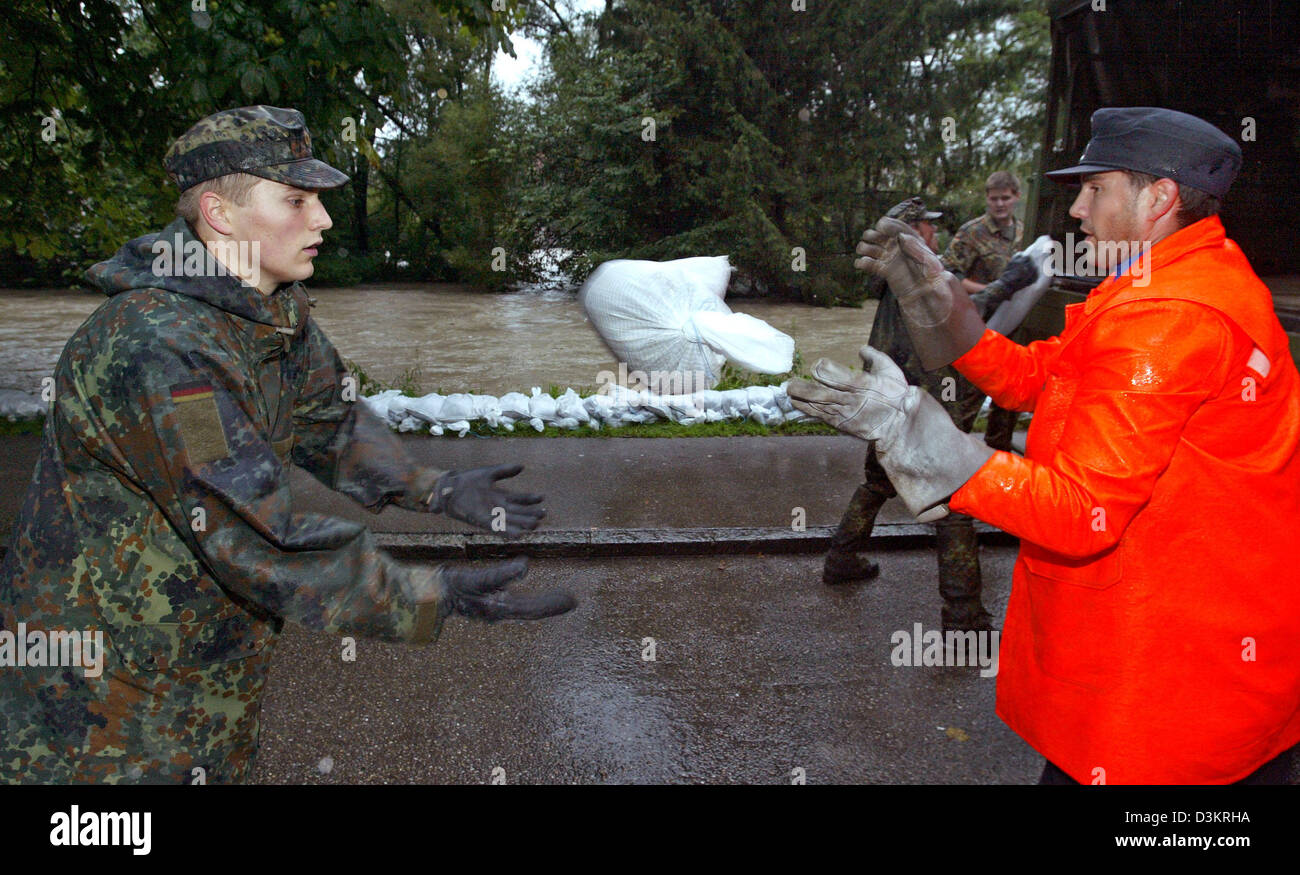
<point x="1107" y="210"/>
<point x="1001" y="204"/>
<point x="287" y="224"/>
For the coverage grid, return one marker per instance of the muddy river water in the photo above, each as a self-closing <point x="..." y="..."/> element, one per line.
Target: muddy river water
<point x="451" y="339"/>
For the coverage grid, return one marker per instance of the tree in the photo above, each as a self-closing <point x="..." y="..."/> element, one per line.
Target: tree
<point x="92" y="92"/>
<point x="778" y="133"/>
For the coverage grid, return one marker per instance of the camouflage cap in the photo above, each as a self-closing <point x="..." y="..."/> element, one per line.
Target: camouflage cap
<point x="266" y="141"/>
<point x="911" y="210"/>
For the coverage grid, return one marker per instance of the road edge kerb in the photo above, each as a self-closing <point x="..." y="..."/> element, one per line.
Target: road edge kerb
<point x="702" y="541"/>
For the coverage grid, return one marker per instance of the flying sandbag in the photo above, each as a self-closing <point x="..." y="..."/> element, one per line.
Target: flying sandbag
<point x="668" y="320"/>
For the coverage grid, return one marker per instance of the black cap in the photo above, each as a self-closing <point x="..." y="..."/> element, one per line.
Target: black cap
<point x="266" y="141"/>
<point x="911" y="210"/>
<point x="1162" y="142"/>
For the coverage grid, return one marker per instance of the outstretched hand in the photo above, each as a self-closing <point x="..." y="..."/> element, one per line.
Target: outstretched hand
<point x="867" y="405"/>
<point x="478" y="592"/>
<point x="472" y="496"/>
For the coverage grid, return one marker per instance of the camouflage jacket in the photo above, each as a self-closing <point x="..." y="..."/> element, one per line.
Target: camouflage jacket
<point x="980" y="250"/>
<point x="160" y="514"/>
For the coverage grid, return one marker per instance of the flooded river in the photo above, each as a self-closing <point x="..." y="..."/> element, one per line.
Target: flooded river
<point x="453" y="339"/>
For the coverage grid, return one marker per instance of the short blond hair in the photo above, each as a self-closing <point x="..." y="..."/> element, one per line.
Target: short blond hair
<point x="234" y="187"/>
<point x="1003" y="179"/>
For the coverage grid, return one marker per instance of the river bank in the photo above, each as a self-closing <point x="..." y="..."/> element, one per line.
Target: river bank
<point x="436" y="336"/>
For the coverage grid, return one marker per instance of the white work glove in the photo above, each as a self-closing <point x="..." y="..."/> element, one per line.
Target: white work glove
<point x="926" y="457"/>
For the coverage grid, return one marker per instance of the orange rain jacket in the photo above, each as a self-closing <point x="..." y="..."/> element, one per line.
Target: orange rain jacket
<point x="1153" y="631"/>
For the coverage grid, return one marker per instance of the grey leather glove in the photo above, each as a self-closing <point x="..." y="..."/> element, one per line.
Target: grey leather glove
<point x="940" y="318"/>
<point x="472" y="496"/>
<point x="926" y="457"/>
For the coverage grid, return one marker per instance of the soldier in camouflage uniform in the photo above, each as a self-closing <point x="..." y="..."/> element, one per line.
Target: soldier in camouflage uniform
<point x="160" y="512"/>
<point x="978" y="254"/>
<point x="958" y="549"/>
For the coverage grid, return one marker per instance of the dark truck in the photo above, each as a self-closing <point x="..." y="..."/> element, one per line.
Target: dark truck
<point x="1234" y="64"/>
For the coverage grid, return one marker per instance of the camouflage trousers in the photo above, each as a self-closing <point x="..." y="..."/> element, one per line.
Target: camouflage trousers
<point x="1002" y="423"/>
<point x="960" y="583"/>
<point x="959" y="569"/>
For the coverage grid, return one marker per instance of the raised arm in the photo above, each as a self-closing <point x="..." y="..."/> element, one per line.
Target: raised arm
<point x="1146" y="368"/>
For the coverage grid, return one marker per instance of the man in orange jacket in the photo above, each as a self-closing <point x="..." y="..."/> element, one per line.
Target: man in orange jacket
<point x="1155" y="606"/>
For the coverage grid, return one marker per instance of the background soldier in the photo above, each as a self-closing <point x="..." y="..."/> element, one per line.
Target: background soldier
<point x="978" y="254"/>
<point x="160" y="510"/>
<point x="960" y="583"/>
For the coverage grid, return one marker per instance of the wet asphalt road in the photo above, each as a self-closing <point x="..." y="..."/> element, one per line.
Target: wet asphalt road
<point x="759" y="670"/>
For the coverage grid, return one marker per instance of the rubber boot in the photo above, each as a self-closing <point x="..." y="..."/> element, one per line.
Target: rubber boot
<point x="960" y="583"/>
<point x="843" y="564"/>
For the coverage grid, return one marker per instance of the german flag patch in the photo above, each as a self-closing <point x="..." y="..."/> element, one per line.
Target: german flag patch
<point x="200" y="422"/>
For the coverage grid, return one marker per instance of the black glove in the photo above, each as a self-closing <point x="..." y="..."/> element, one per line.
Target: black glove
<point x="476" y="591"/>
<point x="988" y="299"/>
<point x="471" y="496"/>
<point x="1020" y="272"/>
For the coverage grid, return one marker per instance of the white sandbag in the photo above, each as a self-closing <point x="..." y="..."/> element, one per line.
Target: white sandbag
<point x="571" y="412"/>
<point x="599" y="408"/>
<point x="1012" y="312"/>
<point x="735" y="404"/>
<point x="763" y="407"/>
<point x="379" y="403"/>
<point x="16" y="404"/>
<point x="514" y="408"/>
<point x="787" y="409"/>
<point x="488" y="409"/>
<point x="455" y="407"/>
<point x="746" y="341"/>
<point x="614" y="407"/>
<point x="636" y="409"/>
<point x="427" y="408"/>
<point x="709" y="403"/>
<point x="667" y="321"/>
<point x="542" y="409"/>
<point x="397" y="408"/>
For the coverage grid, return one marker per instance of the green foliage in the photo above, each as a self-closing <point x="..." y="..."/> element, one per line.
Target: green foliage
<point x="92" y="93"/>
<point x="12" y="428"/>
<point x="335" y="271"/>
<point x="351" y="270"/>
<point x="662" y="128"/>
<point x="409" y="383"/>
<point x="778" y="135"/>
